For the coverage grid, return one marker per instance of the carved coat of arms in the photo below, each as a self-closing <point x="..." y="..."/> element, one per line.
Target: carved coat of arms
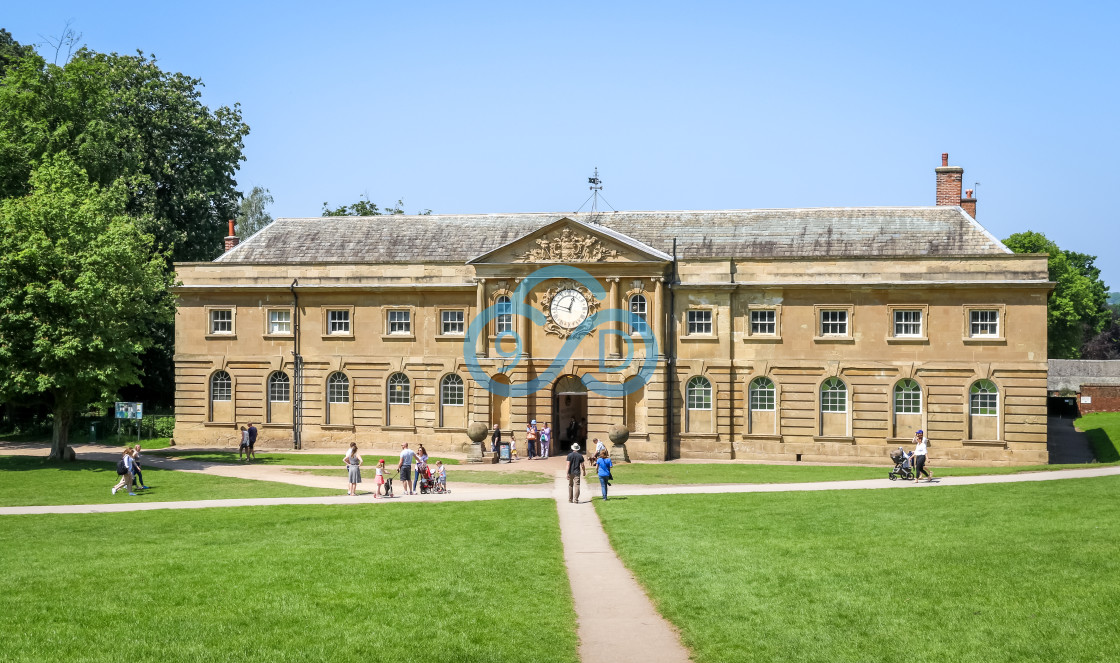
<point x="568" y="246"/>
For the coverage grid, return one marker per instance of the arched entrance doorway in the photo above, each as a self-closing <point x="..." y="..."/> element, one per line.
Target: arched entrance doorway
<point x="569" y="403"/>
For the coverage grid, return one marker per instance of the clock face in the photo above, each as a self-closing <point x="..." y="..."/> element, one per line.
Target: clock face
<point x="569" y="308"/>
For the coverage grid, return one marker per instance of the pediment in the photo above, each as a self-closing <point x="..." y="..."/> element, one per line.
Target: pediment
<point x="567" y="241"/>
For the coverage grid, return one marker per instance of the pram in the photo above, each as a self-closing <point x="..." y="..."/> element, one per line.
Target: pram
<point x="901" y="465"/>
<point x="426" y="483"/>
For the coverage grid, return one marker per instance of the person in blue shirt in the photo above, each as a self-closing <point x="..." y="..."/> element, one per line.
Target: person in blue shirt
<point x="603" y="462"/>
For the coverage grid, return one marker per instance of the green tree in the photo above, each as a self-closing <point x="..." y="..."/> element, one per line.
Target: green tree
<point x="11" y="50"/>
<point x="121" y="116"/>
<point x="252" y="214"/>
<point x="80" y="289"/>
<point x="366" y="208"/>
<point x="1076" y="310"/>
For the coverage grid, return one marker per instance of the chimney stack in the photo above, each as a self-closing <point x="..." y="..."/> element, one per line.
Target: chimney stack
<point x="231" y="239"/>
<point x="969" y="203"/>
<point x="949" y="182"/>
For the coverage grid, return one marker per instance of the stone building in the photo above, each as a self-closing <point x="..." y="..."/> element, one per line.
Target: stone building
<point x="793" y="334"/>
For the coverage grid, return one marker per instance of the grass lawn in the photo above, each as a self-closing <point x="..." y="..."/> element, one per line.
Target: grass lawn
<point x="697" y="473"/>
<point x="1103" y="429"/>
<point x="1013" y="572"/>
<point x="276" y="458"/>
<point x="289" y="584"/>
<point x="515" y="478"/>
<point x="32" y="481"/>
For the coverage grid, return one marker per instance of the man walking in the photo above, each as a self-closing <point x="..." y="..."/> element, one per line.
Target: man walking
<point x="575" y="469"/>
<point x="405" y="468"/>
<point x="252" y="440"/>
<point x="531" y="438"/>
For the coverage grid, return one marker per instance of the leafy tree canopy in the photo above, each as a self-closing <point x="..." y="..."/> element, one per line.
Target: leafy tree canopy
<point x="1077" y="310"/>
<point x="252" y="214"/>
<point x="11" y="50"/>
<point x="366" y="208"/>
<point x="122" y="117"/>
<point x="80" y="288"/>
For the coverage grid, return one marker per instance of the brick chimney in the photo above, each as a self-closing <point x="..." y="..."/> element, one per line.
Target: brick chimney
<point x="233" y="240"/>
<point x="969" y="203"/>
<point x="949" y="182"/>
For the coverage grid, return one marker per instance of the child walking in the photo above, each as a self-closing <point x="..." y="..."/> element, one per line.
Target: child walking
<point x="379" y="482"/>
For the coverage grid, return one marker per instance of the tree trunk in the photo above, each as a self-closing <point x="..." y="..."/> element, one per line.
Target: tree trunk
<point x="60" y="438"/>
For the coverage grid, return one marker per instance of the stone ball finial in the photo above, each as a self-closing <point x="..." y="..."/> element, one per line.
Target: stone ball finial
<point x="477" y="431"/>
<point x="618" y="434"/>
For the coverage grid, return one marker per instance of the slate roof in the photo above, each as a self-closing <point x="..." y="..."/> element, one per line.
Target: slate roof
<point x="794" y="233"/>
<point x="1072" y="373"/>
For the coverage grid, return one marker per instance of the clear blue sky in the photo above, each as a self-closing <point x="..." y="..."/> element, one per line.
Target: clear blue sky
<point x="507" y="107"/>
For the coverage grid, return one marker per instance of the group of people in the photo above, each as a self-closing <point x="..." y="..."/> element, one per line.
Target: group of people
<point x="577" y="468"/>
<point x="247" y="448"/>
<point x="128" y="469"/>
<point x="412" y="468"/>
<point x="539" y="439"/>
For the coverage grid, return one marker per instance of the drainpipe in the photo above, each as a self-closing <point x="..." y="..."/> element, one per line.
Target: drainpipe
<point x="671" y="354"/>
<point x="297" y="373"/>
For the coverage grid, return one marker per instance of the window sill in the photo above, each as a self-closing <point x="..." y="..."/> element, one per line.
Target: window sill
<point x="833" y="339"/>
<point x="280" y="337"/>
<point x="701" y="436"/>
<point x="914" y="340"/>
<point x="267" y="425"/>
<point x="337" y="426"/>
<point x="338" y="337"/>
<point x="449" y="429"/>
<point x="984" y="340"/>
<point x="762" y="338"/>
<point x="221" y="337"/>
<point x="401" y="429"/>
<point x="698" y="338"/>
<point x="760" y="437"/>
<point x="220" y="424"/>
<point x="638" y="436"/>
<point x="398" y="337"/>
<point x="984" y="443"/>
<point x="841" y="439"/>
<point x="450" y="337"/>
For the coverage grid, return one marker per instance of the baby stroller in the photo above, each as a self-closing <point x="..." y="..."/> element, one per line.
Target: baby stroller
<point x="901" y="465"/>
<point x="426" y="484"/>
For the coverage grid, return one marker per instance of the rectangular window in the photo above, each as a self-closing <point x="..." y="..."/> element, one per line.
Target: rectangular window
<point x="451" y="323"/>
<point x="338" y="321"/>
<point x="983" y="322"/>
<point x="907" y="322"/>
<point x="221" y="321"/>
<point x="834" y="323"/>
<point x="279" y="321"/>
<point x="638" y="308"/>
<point x="764" y="322"/>
<point x="400" y="322"/>
<point x="700" y="322"/>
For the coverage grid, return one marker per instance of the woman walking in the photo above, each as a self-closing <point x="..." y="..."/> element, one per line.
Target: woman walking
<point x="604" y="464"/>
<point x="354" y="469"/>
<point x="124" y="469"/>
<point x="920" y="444"/>
<point x="137" y="475"/>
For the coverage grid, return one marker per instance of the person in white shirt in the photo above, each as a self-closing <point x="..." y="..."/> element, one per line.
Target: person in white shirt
<point x="546" y="440"/>
<point x="920" y="444"/>
<point x="126" y="478"/>
<point x="405" y="467"/>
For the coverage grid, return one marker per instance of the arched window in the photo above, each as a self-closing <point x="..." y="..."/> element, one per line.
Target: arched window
<point x="907" y="397"/>
<point x="983" y="399"/>
<point x="451" y="390"/>
<point x="279" y="388"/>
<point x="400" y="391"/>
<point x="834" y="396"/>
<point x="762" y="395"/>
<point x="338" y="388"/>
<point x="221" y="387"/>
<point x="638" y="309"/>
<point x="699" y="394"/>
<point x="505" y="314"/>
